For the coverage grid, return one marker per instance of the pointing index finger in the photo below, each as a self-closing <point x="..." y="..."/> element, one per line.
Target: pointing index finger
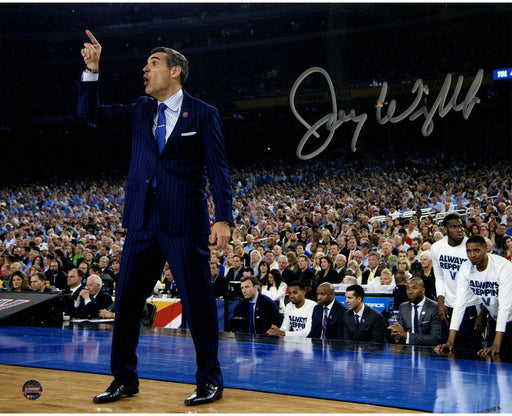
<point x="91" y="37"/>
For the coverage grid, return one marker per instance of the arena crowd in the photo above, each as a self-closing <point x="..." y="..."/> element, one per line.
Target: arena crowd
<point x="341" y="210"/>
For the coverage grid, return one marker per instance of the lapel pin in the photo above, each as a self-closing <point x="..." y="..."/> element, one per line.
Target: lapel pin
<point x="185" y="114"/>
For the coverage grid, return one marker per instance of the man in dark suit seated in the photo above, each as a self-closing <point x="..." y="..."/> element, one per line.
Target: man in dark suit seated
<point x="304" y="273"/>
<point x="418" y="320"/>
<point x="38" y="284"/>
<point x="219" y="283"/>
<point x="235" y="273"/>
<point x="92" y="299"/>
<point x="327" y="315"/>
<point x="361" y="322"/>
<point x="256" y="313"/>
<point x="170" y="287"/>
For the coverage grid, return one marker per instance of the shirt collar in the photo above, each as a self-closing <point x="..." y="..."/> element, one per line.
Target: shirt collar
<point x="173" y="103"/>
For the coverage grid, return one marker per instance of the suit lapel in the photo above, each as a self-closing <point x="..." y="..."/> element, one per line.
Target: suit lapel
<point x="182" y="121"/>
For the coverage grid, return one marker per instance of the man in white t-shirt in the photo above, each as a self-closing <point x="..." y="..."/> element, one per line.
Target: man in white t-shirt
<point x="448" y="255"/>
<point x="298" y="314"/>
<point x="489" y="277"/>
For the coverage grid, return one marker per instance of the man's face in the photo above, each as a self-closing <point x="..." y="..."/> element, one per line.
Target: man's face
<point x="237" y="263"/>
<point x="37" y="284"/>
<point x="415" y="292"/>
<point x="269" y="258"/>
<point x="300" y="250"/>
<point x="83" y="267"/>
<point x="168" y="275"/>
<point x="54" y="266"/>
<point x="373" y="262"/>
<point x="455" y="231"/>
<point x="214" y="269"/>
<point x="340" y="261"/>
<point x="476" y="253"/>
<point x="92" y="286"/>
<point x="158" y="77"/>
<point x="103" y="263"/>
<point x="282" y="263"/>
<point x="249" y="290"/>
<point x="386" y="249"/>
<point x="73" y="278"/>
<point x="324" y="295"/>
<point x="425" y="262"/>
<point x="239" y="250"/>
<point x="352" y="301"/>
<point x="351" y="244"/>
<point x="303" y="263"/>
<point x="297" y="295"/>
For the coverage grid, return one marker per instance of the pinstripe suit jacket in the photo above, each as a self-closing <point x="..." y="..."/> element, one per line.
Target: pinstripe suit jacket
<point x="194" y="149"/>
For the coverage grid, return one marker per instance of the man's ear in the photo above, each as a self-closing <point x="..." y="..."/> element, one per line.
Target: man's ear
<point x="176" y="72"/>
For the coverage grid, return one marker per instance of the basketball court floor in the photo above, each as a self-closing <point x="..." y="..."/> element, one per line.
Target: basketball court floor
<point x="392" y="376"/>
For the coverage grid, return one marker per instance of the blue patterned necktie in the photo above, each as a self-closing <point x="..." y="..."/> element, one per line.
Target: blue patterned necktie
<point x="416" y="323"/>
<point x="160" y="128"/>
<point x="357" y="320"/>
<point x="324" y="322"/>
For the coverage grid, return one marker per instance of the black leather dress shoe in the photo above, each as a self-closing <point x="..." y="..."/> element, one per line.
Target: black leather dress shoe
<point x="205" y="394"/>
<point x="115" y="392"/>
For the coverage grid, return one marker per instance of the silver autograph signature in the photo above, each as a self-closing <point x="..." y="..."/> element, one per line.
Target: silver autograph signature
<point x="336" y="118"/>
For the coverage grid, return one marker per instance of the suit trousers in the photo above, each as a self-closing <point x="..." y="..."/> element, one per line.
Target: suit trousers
<point x="142" y="262"/>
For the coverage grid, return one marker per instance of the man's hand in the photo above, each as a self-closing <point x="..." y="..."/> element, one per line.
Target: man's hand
<point x="220" y="234"/>
<point x="274" y="330"/>
<point x="103" y="313"/>
<point x="442" y="348"/>
<point x="84" y="294"/>
<point x="91" y="52"/>
<point x="397" y="331"/>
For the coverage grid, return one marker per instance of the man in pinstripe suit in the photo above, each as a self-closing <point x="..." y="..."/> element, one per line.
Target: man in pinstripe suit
<point x="176" y="141"/>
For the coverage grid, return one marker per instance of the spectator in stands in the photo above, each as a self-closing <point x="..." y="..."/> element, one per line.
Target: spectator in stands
<point x="263" y="272"/>
<point x="371" y="272"/>
<point x="327" y="319"/>
<point x="56" y="276"/>
<point x="275" y="289"/>
<point x="292" y="261"/>
<point x="428" y="275"/>
<point x="256" y="313"/>
<point x="340" y="262"/>
<point x="18" y="282"/>
<point x="304" y="273"/>
<point x="385" y="280"/>
<point x="282" y="266"/>
<point x="91" y="299"/>
<point x="387" y="256"/>
<point x="400" y="290"/>
<point x="169" y="285"/>
<point x="361" y="322"/>
<point x="418" y="319"/>
<point x="298" y="313"/>
<point x="327" y="273"/>
<point x="38" y="284"/>
<point x="235" y="272"/>
<point x="219" y="283"/>
<point x="239" y="251"/>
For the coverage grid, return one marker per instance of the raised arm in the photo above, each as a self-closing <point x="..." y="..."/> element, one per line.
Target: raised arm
<point x="91" y="53"/>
